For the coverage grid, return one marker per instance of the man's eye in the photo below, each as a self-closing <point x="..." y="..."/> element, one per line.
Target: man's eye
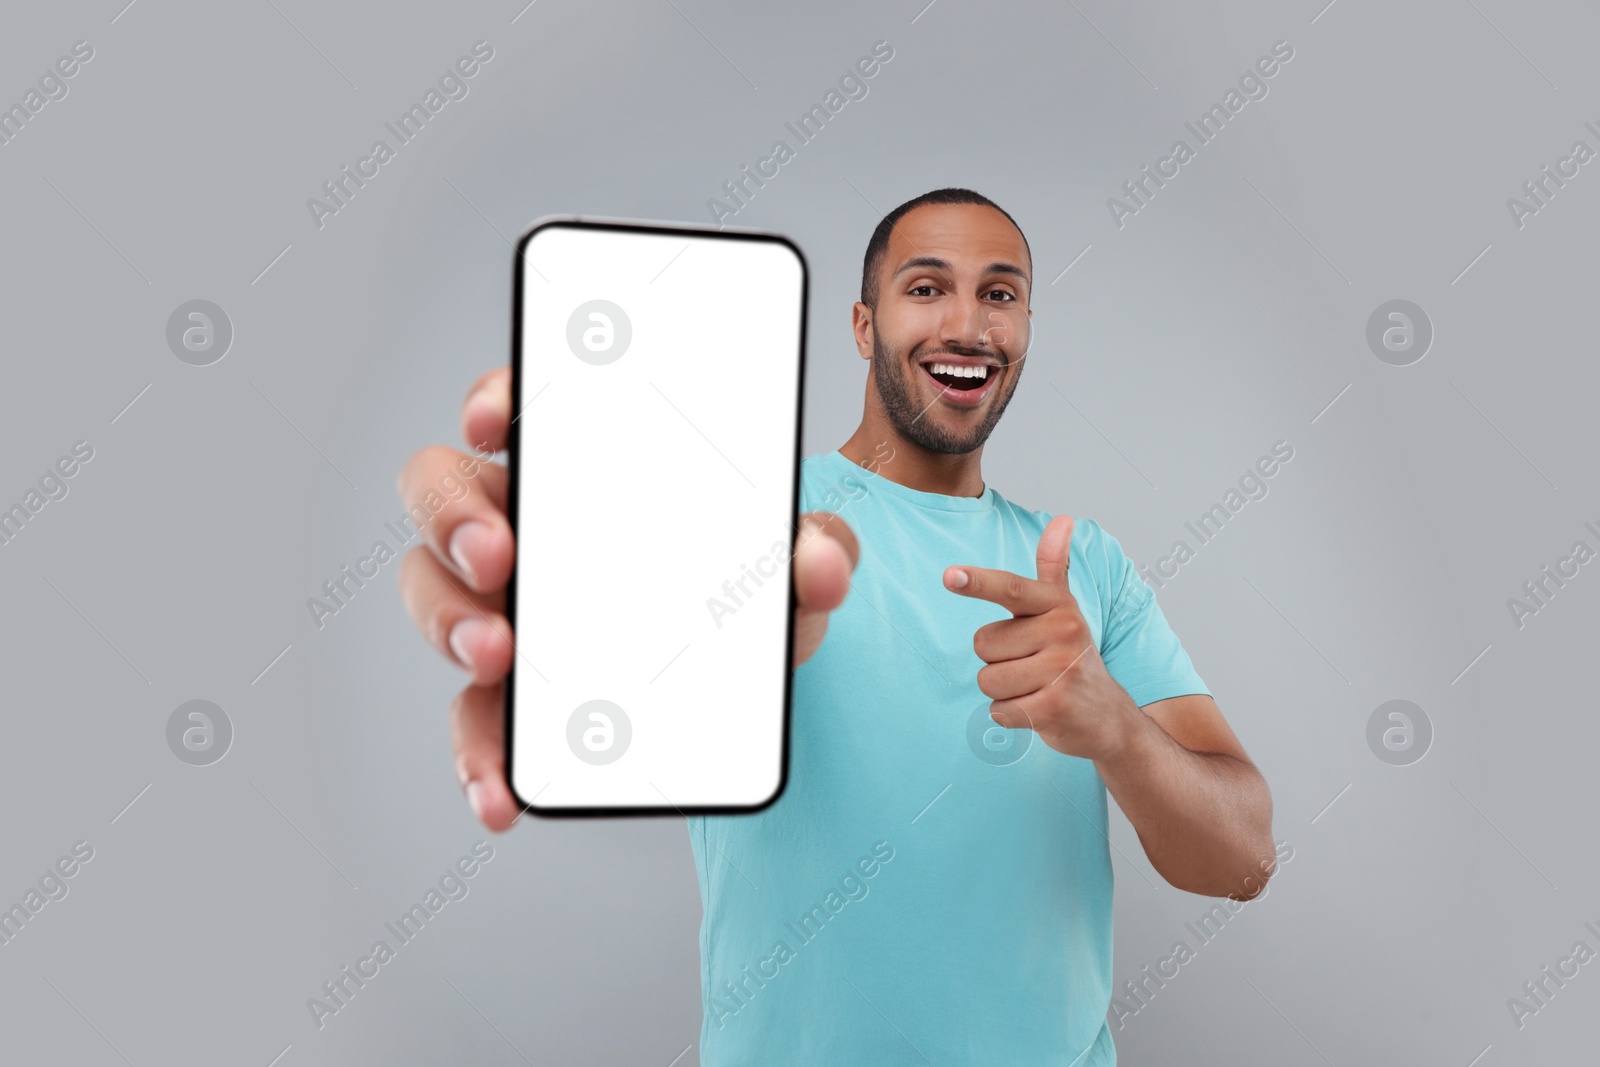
<point x="914" y="291"/>
<point x="1003" y="293"/>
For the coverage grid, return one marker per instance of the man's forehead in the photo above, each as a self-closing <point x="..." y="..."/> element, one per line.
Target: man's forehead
<point x="963" y="235"/>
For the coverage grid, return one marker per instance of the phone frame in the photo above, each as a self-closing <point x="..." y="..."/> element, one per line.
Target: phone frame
<point x="514" y="453"/>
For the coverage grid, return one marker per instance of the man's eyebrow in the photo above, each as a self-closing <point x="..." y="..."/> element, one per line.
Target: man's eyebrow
<point x="935" y="263"/>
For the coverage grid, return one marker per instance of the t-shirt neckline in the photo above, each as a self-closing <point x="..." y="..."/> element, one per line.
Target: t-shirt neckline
<point x="877" y="483"/>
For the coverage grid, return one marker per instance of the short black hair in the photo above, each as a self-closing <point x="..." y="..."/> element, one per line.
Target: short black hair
<point x="878" y="247"/>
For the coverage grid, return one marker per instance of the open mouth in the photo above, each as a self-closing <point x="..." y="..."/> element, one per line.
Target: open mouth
<point x="961" y="378"/>
<point x="965" y="384"/>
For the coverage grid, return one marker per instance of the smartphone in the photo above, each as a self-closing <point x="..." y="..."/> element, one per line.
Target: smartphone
<point x="654" y="461"/>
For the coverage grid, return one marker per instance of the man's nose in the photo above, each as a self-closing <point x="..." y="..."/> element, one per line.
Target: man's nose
<point x="972" y="324"/>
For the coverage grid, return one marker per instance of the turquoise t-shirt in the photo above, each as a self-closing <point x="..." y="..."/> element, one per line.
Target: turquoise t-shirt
<point x="930" y="887"/>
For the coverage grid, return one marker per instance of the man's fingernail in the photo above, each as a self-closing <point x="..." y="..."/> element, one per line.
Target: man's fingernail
<point x="475" y="798"/>
<point x="484" y="399"/>
<point x="463" y="636"/>
<point x="958" y="579"/>
<point x="466" y="536"/>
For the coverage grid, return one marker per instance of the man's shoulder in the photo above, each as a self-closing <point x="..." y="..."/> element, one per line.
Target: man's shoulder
<point x="1095" y="553"/>
<point x="1089" y="538"/>
<point x="829" y="481"/>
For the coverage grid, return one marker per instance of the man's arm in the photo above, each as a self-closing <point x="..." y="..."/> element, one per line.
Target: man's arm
<point x="1201" y="809"/>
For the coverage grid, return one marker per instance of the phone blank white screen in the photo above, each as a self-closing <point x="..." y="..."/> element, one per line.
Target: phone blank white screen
<point x="658" y="418"/>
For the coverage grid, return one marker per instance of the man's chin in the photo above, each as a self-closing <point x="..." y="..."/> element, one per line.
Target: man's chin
<point x="946" y="440"/>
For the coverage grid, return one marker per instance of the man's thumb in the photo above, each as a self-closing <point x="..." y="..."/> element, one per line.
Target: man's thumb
<point x="825" y="554"/>
<point x="1055" y="546"/>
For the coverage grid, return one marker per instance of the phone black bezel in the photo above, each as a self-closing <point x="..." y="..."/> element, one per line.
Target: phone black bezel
<point x="513" y="448"/>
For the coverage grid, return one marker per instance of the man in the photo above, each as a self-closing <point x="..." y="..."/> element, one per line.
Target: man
<point x="935" y="884"/>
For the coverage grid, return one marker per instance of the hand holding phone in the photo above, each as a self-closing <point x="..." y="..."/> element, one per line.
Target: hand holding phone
<point x="454" y="587"/>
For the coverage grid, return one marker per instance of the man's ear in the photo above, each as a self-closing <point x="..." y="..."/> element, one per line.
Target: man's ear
<point x="862" y="326"/>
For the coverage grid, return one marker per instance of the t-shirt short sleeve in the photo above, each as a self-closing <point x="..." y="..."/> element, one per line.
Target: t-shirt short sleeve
<point x="1139" y="648"/>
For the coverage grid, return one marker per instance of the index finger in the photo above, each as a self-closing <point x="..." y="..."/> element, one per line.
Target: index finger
<point x="1018" y="595"/>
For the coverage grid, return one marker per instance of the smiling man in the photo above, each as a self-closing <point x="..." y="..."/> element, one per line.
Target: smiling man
<point x="972" y="679"/>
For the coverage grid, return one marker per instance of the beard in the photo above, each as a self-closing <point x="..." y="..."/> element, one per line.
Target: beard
<point x="919" y="422"/>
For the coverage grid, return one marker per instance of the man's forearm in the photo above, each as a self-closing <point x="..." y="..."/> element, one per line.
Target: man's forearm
<point x="1205" y="819"/>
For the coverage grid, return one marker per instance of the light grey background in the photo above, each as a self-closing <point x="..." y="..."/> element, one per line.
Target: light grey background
<point x="1227" y="314"/>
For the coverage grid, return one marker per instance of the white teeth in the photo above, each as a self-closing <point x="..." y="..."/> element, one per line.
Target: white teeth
<point x="977" y="371"/>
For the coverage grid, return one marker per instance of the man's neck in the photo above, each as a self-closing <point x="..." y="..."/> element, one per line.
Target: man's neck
<point x="893" y="457"/>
